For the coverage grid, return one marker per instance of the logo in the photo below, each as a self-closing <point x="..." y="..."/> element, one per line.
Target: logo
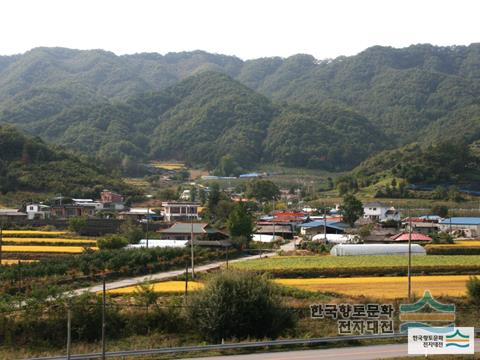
<point x="426" y="311"/>
<point x="458" y="339"/>
<point x="441" y="340"/>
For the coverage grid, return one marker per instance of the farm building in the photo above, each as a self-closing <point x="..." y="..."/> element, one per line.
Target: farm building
<point x="337" y="238"/>
<point x="376" y="249"/>
<point x="201" y="231"/>
<point x="310" y="229"/>
<point x="469" y="225"/>
<point x="159" y="243"/>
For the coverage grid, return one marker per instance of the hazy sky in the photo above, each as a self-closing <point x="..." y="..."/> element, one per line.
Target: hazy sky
<point x="246" y="28"/>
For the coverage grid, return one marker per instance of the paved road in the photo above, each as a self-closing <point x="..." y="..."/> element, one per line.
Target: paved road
<point x="162" y="275"/>
<point x="373" y="352"/>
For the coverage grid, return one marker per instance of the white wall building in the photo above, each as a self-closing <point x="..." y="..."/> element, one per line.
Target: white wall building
<point x="37" y="211"/>
<point x="380" y="212"/>
<point x="177" y="211"/>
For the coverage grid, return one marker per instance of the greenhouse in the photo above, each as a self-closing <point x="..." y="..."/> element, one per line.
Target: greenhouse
<point x="375" y="249"/>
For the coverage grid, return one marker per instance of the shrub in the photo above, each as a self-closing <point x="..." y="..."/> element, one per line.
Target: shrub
<point x="112" y="242"/>
<point x="442" y="238"/>
<point x="238" y="305"/>
<point x="473" y="290"/>
<point x="77" y="225"/>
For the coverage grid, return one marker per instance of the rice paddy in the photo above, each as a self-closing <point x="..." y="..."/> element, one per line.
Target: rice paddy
<point x="33" y="232"/>
<point x="49" y="240"/>
<point x="23" y="244"/>
<point x="161" y="287"/>
<point x="15" y="261"/>
<point x="388" y="287"/>
<point x="167" y="166"/>
<point x="46" y="249"/>
<point x="353" y="262"/>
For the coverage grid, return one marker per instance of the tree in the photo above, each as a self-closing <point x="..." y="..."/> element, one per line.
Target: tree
<point x="213" y="197"/>
<point x="473" y="290"/>
<point x="440" y="210"/>
<point x="77" y="224"/>
<point x="132" y="232"/>
<point x="240" y="222"/>
<point x="238" y="305"/>
<point x="262" y="190"/>
<point x="454" y="194"/>
<point x="351" y="209"/>
<point x="227" y="166"/>
<point x="112" y="242"/>
<point x="440" y="193"/>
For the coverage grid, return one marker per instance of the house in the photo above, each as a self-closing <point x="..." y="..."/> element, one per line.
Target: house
<point x="414" y="237"/>
<point x="37" y="211"/>
<point x="180" y="211"/>
<point x="138" y="214"/>
<point x="200" y="231"/>
<point x="267" y="228"/>
<point x="89" y="203"/>
<point x="376" y="211"/>
<point x="111" y="200"/>
<point x="424" y="225"/>
<point x="310" y="229"/>
<point x="470" y="226"/>
<point x="11" y="214"/>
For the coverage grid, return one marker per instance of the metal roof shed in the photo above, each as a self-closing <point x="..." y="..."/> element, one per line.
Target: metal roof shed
<point x="375" y="249"/>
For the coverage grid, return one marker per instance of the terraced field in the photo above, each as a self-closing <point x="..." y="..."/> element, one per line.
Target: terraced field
<point x="30" y="245"/>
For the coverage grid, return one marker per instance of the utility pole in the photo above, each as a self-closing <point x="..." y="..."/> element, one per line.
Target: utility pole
<point x="226" y="255"/>
<point x="273" y="214"/>
<point x="192" y="254"/>
<point x="325" y="224"/>
<point x="1" y="238"/>
<point x="186" y="282"/>
<point x="409" y="256"/>
<point x="103" y="318"/>
<point x="69" y="331"/>
<point x="148" y="216"/>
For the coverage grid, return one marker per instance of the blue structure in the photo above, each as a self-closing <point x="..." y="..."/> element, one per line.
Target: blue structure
<point x="472" y="221"/>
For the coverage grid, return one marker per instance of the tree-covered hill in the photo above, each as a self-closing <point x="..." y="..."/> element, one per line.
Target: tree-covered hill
<point x="209" y="116"/>
<point x="28" y="164"/>
<point x="149" y="105"/>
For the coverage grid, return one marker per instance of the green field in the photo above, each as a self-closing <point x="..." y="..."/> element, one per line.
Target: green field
<point x="309" y="266"/>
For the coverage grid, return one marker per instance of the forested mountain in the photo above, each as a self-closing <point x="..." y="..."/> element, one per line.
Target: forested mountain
<point x="28" y="164"/>
<point x="149" y="106"/>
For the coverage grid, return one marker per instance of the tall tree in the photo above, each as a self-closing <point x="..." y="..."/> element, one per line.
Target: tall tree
<point x="351" y="209"/>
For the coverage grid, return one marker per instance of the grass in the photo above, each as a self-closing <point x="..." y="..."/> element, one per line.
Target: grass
<point x="161" y="287"/>
<point x="46" y="249"/>
<point x="352" y="262"/>
<point x="49" y="240"/>
<point x="388" y="287"/>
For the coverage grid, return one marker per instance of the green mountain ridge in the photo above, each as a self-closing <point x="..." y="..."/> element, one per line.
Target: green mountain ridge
<point x="28" y="164"/>
<point x="125" y="106"/>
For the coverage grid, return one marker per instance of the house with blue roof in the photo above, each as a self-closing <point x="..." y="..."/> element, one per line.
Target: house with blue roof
<point x="470" y="226"/>
<point x="312" y="228"/>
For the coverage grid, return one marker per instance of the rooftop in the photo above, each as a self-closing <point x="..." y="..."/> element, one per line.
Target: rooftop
<point x="461" y="221"/>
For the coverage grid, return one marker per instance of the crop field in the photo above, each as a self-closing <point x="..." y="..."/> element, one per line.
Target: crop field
<point x="29" y="245"/>
<point x="9" y="240"/>
<point x="139" y="182"/>
<point x="329" y="266"/>
<point x="388" y="287"/>
<point x="23" y="233"/>
<point x="167" y="166"/>
<point x="315" y="262"/>
<point x="15" y="261"/>
<point x="46" y="249"/>
<point x="161" y="287"/>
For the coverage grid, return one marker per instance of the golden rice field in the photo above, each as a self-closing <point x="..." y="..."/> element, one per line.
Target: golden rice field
<point x="49" y="240"/>
<point x="388" y="287"/>
<point x="161" y="287"/>
<point x="46" y="249"/>
<point x="168" y="166"/>
<point x="16" y="261"/>
<point x="136" y="182"/>
<point x="33" y="232"/>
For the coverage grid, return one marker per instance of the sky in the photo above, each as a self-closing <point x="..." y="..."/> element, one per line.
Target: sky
<point x="245" y="28"/>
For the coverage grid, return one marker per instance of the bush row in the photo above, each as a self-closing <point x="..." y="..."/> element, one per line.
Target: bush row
<point x="454" y="250"/>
